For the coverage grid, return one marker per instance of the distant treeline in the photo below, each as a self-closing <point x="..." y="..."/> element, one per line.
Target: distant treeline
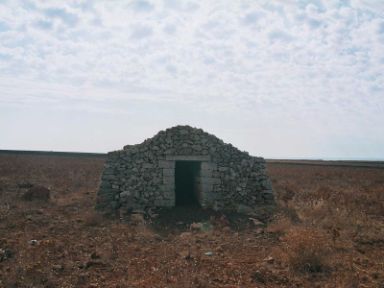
<point x="349" y="163"/>
<point x="53" y="153"/>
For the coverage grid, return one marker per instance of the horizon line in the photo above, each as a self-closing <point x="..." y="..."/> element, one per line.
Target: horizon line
<point x="358" y="159"/>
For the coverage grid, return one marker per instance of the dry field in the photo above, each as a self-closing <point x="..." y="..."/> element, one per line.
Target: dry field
<point x="328" y="232"/>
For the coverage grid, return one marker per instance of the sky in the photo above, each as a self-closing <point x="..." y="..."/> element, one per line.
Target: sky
<point x="279" y="79"/>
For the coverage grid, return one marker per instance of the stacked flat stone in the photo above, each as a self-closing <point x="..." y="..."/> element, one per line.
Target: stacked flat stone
<point x="143" y="175"/>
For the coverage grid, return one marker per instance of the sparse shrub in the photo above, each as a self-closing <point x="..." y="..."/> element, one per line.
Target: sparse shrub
<point x="287" y="195"/>
<point x="24" y="185"/>
<point x="307" y="250"/>
<point x="259" y="277"/>
<point x="40" y="193"/>
<point x="5" y="209"/>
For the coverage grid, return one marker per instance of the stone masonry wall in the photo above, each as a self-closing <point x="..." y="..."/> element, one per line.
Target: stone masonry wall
<point x="143" y="175"/>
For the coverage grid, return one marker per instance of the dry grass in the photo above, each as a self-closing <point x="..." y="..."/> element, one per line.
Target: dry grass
<point x="340" y="221"/>
<point x="329" y="232"/>
<point x="92" y="218"/>
<point x="307" y="250"/>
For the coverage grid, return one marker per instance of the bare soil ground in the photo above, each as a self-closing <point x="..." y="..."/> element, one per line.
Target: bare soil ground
<point x="328" y="232"/>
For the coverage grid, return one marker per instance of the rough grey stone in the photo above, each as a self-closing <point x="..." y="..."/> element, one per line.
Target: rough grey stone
<point x="143" y="175"/>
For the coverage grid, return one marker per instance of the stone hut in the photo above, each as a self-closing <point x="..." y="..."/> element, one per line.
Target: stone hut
<point x="184" y="166"/>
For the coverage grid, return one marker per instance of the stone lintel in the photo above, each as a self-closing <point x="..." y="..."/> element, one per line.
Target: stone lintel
<point x="188" y="157"/>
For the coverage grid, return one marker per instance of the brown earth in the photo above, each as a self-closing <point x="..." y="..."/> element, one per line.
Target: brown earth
<point x="328" y="232"/>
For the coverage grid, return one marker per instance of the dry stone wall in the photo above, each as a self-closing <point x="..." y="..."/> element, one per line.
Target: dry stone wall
<point x="143" y="175"/>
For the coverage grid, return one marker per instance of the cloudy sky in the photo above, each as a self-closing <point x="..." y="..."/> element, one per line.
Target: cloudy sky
<point x="280" y="79"/>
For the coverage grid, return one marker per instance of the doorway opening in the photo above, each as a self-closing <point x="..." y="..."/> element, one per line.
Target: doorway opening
<point x="187" y="183"/>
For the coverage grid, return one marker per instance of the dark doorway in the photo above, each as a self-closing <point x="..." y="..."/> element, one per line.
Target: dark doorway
<point x="187" y="182"/>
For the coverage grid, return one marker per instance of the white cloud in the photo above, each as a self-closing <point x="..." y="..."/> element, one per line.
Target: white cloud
<point x="140" y="32"/>
<point x="142" y="6"/>
<point x="276" y="64"/>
